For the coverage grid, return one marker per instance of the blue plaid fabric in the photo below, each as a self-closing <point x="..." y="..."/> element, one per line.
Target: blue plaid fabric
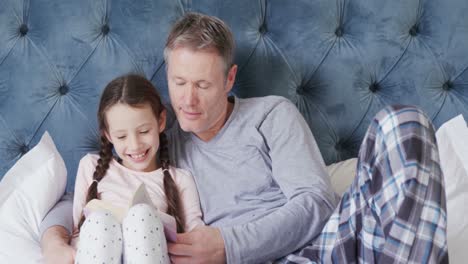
<point x="395" y="210"/>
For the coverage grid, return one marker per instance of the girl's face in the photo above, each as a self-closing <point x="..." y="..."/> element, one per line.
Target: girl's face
<point x="134" y="131"/>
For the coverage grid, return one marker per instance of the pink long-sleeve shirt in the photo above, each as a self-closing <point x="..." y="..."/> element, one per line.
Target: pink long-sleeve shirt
<point x="119" y="184"/>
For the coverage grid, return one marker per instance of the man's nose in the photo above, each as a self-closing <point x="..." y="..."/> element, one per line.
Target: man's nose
<point x="190" y="96"/>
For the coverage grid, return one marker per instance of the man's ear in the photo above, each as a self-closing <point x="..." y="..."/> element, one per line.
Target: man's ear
<point x="162" y="120"/>
<point x="231" y="78"/>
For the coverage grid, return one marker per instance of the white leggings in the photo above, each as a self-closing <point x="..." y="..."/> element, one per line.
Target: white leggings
<point x="140" y="238"/>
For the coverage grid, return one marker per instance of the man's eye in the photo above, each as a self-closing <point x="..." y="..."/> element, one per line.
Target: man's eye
<point x="180" y="83"/>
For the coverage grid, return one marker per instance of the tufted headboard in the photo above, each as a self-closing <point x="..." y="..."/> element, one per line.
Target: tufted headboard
<point x="339" y="61"/>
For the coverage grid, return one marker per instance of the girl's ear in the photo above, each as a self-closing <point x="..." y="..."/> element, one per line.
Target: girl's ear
<point x="108" y="137"/>
<point x="162" y="120"/>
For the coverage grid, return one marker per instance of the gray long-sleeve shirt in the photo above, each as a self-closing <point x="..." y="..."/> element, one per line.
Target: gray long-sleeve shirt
<point x="261" y="180"/>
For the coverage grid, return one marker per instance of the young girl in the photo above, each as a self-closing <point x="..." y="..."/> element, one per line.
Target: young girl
<point x="131" y="122"/>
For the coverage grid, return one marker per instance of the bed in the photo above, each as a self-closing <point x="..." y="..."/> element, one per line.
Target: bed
<point x="338" y="61"/>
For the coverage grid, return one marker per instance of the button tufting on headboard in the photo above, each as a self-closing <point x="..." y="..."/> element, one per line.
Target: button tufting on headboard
<point x="339" y="32"/>
<point x="23" y="30"/>
<point x="63" y="89"/>
<point x="339" y="147"/>
<point x="263" y="29"/>
<point x="414" y="30"/>
<point x="447" y="85"/>
<point x="24" y="149"/>
<point x="374" y="87"/>
<point x="300" y="90"/>
<point x="339" y="61"/>
<point x="105" y="29"/>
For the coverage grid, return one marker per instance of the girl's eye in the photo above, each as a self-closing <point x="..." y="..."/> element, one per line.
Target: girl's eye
<point x="121" y="137"/>
<point x="144" y="132"/>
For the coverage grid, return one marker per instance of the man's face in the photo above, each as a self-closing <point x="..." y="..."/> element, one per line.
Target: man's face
<point x="198" y="88"/>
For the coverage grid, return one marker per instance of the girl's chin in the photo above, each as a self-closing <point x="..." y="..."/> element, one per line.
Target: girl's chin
<point x="142" y="165"/>
<point x="141" y="168"/>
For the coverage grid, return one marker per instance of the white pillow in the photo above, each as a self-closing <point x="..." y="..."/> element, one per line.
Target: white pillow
<point x="27" y="192"/>
<point x="342" y="174"/>
<point x="452" y="140"/>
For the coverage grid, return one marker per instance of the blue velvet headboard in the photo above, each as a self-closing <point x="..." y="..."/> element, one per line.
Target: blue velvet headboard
<point x="339" y="61"/>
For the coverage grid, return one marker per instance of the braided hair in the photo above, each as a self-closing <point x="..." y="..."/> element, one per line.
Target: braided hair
<point x="105" y="157"/>
<point x="134" y="90"/>
<point x="174" y="204"/>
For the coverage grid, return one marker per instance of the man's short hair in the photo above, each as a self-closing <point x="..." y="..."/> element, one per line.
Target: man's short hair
<point x="201" y="32"/>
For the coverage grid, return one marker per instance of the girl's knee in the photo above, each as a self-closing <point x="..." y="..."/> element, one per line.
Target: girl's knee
<point x="99" y="219"/>
<point x="144" y="239"/>
<point x="141" y="209"/>
<point x="142" y="214"/>
<point x="100" y="239"/>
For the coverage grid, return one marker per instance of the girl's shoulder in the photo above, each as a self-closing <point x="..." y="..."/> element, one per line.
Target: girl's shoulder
<point x="178" y="172"/>
<point x="181" y="176"/>
<point x="89" y="159"/>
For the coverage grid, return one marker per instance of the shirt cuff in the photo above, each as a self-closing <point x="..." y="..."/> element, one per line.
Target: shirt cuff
<point x="60" y="215"/>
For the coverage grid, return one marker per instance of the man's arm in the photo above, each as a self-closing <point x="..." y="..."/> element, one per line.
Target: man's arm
<point x="55" y="233"/>
<point x="60" y="214"/>
<point x="298" y="169"/>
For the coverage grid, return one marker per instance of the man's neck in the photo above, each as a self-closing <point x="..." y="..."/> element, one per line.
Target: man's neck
<point x="210" y="134"/>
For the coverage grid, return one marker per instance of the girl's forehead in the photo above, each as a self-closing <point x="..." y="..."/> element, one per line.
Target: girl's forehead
<point x="124" y="117"/>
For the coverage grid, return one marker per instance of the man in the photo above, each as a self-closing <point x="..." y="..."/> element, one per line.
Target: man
<point x="262" y="183"/>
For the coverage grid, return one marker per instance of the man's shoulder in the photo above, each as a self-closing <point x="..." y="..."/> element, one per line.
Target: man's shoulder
<point x="265" y="106"/>
<point x="264" y="101"/>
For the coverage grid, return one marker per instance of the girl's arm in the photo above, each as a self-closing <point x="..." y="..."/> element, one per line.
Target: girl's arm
<point x="190" y="199"/>
<point x="84" y="178"/>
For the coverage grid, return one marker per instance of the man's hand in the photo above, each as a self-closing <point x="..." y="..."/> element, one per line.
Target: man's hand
<point x="55" y="246"/>
<point x="202" y="245"/>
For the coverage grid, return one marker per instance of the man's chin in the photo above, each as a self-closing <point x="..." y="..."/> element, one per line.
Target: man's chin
<point x="188" y="128"/>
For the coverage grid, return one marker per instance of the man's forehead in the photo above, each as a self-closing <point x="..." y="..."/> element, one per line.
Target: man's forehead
<point x="208" y="54"/>
<point x="194" y="65"/>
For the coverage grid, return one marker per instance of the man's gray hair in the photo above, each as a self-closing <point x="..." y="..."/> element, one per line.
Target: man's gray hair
<point x="201" y="32"/>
